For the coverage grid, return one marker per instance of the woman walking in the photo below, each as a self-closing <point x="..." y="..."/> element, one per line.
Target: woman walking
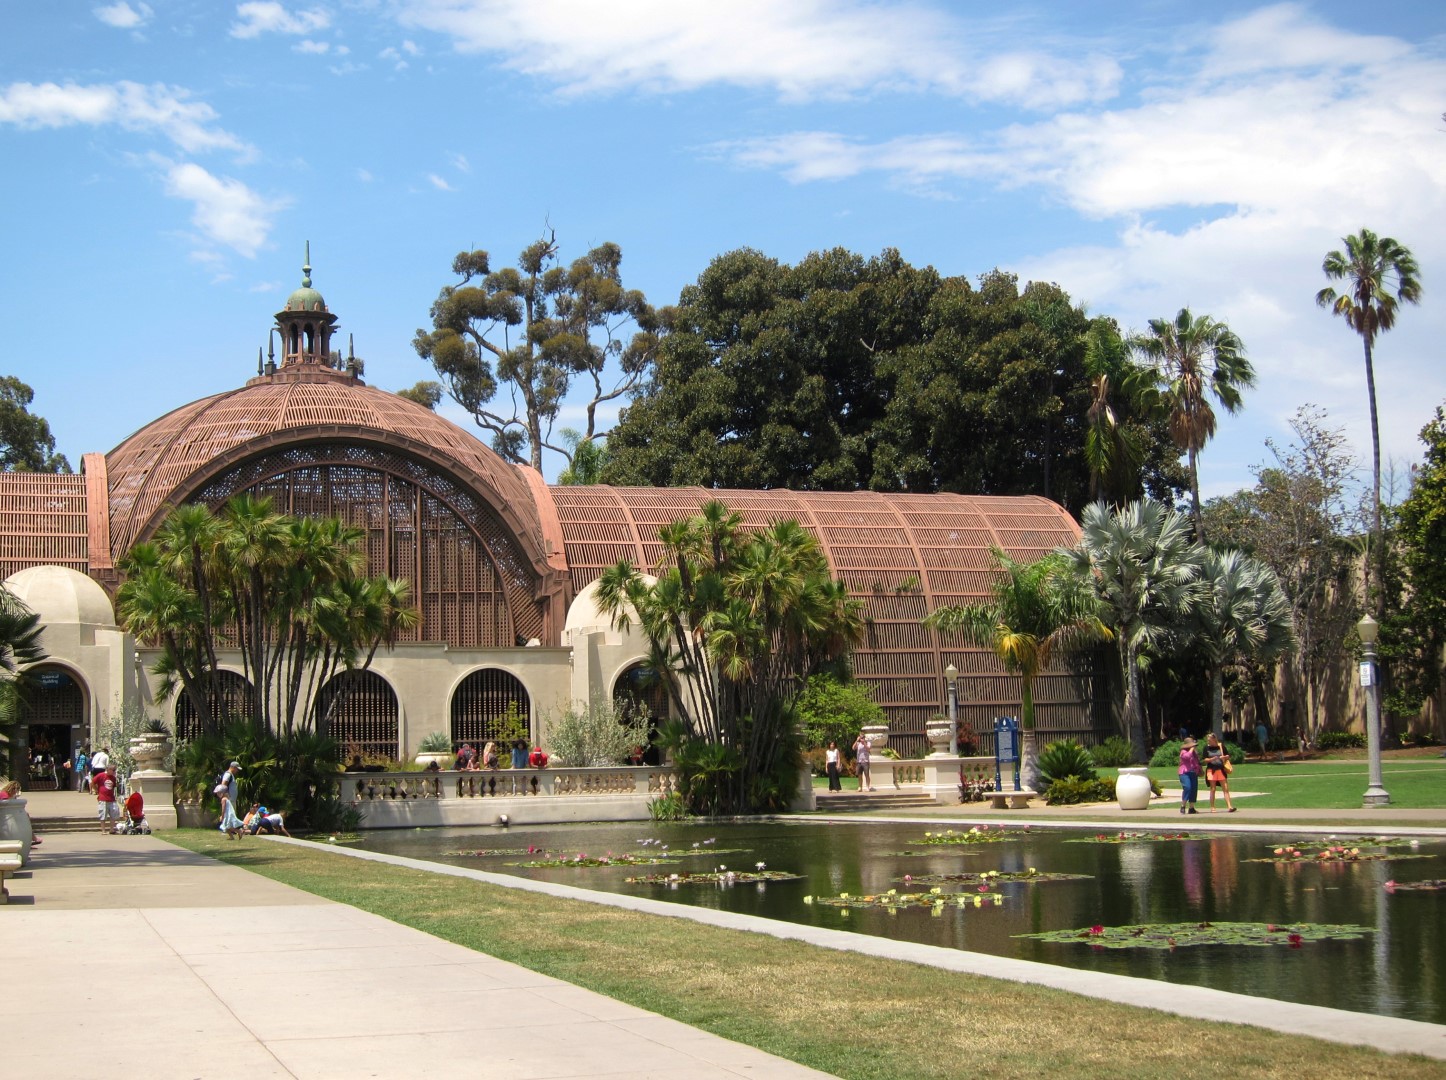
<point x="861" y="762"/>
<point x="1189" y="776"/>
<point x="1217" y="771"/>
<point x="830" y="757"/>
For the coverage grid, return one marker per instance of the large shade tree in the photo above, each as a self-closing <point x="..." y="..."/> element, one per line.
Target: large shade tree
<point x="288" y="594"/>
<point x="736" y="623"/>
<point x="1144" y="569"/>
<point x="1195" y="358"/>
<point x="1034" y="611"/>
<point x="26" y="444"/>
<point x="1378" y="274"/>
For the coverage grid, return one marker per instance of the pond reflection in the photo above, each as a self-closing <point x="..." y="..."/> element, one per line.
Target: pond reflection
<point x="1395" y="971"/>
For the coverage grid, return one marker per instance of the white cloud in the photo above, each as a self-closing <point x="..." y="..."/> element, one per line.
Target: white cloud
<point x="191" y="125"/>
<point x="364" y="175"/>
<point x="805" y="49"/>
<point x="460" y="163"/>
<point x="122" y="16"/>
<point x="226" y="211"/>
<point x="439" y="183"/>
<point x="411" y="48"/>
<point x="268" y="17"/>
<point x="314" y="47"/>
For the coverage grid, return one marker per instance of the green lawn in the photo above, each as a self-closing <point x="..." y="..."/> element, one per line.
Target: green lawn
<point x="1413" y="782"/>
<point x="853" y="1016"/>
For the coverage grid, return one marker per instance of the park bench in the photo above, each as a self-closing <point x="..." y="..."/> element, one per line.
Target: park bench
<point x="9" y="864"/>
<point x="1014" y="800"/>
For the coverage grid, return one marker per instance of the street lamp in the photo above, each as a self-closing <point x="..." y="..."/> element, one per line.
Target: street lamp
<point x="951" y="676"/>
<point x="1368" y="630"/>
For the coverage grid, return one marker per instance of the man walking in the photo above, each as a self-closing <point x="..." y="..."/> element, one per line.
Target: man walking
<point x="107" y="809"/>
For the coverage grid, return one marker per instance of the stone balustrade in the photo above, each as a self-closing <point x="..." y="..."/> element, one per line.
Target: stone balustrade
<point x="937" y="777"/>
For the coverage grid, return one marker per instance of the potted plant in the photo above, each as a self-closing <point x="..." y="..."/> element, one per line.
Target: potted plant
<point x="435" y="747"/>
<point x="151" y="747"/>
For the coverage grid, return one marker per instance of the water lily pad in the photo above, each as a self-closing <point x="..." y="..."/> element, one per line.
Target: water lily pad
<point x="1315" y="842"/>
<point x="483" y="853"/>
<point x="1332" y="855"/>
<point x="1430" y="885"/>
<point x="1141" y="837"/>
<point x="894" y="900"/>
<point x="979" y="834"/>
<point x="989" y="877"/>
<point x="1187" y="935"/>
<point x="716" y="877"/>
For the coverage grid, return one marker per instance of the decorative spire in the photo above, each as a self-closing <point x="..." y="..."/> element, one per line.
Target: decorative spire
<point x="306" y="268"/>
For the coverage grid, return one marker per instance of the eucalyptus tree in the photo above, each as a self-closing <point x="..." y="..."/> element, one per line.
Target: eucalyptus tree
<point x="736" y="623"/>
<point x="1241" y="612"/>
<point x="1035" y="610"/>
<point x="1379" y="274"/>
<point x="536" y="329"/>
<point x="1195" y="358"/>
<point x="1144" y="569"/>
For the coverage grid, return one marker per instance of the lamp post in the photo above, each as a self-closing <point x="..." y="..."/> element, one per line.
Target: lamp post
<point x="951" y="676"/>
<point x="1368" y="630"/>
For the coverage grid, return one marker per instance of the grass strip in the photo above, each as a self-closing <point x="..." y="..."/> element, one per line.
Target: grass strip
<point x="853" y="1016"/>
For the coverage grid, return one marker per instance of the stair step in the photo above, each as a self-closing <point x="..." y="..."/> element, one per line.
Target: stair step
<point x="844" y="802"/>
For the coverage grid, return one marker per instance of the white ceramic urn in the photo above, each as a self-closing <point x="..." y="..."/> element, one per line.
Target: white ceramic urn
<point x="1132" y="788"/>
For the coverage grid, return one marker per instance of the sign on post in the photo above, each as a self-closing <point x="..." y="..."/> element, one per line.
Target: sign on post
<point x="1006" y="750"/>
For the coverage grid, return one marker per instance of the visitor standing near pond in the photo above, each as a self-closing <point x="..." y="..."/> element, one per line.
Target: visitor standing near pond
<point x="104" y="786"/>
<point x="861" y="762"/>
<point x="1189" y="776"/>
<point x="830" y="757"/>
<point x="1217" y="771"/>
<point x="225" y="790"/>
<point x="519" y="753"/>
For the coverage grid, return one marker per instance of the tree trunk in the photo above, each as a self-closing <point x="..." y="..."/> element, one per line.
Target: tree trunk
<point x="1376" y="539"/>
<point x="1134" y="719"/>
<point x="1217" y="699"/>
<point x="1195" y="498"/>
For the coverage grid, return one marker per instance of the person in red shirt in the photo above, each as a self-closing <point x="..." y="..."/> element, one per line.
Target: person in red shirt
<point x="537" y="759"/>
<point x="106" y="808"/>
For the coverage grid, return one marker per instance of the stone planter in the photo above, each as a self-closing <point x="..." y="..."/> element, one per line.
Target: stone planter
<point x="939" y="733"/>
<point x="149" y="752"/>
<point x="444" y="761"/>
<point x="15" y="825"/>
<point x="877" y="735"/>
<point x="1132" y="789"/>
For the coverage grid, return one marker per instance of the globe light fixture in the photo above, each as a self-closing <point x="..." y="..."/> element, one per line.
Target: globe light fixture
<point x="1368" y="630"/>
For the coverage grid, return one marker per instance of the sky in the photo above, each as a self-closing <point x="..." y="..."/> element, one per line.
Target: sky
<point x="163" y="164"/>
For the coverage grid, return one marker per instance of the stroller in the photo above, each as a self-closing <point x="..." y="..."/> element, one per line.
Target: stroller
<point x="133" y="822"/>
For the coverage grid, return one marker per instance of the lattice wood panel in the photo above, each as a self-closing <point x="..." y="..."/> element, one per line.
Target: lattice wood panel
<point x="359" y="710"/>
<point x="42" y="522"/>
<point x="480" y="704"/>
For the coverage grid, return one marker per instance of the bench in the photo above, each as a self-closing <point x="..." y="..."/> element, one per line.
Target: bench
<point x="1015" y="800"/>
<point x="9" y="864"/>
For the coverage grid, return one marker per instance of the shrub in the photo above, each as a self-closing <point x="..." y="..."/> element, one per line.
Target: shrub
<point x="830" y="710"/>
<point x="437" y="742"/>
<point x="294" y="771"/>
<point x="1063" y="759"/>
<point x="1070" y="790"/>
<point x="1114" y="753"/>
<point x="604" y="734"/>
<point x="1167" y="755"/>
<point x="1340" y="740"/>
<point x="669" y="807"/>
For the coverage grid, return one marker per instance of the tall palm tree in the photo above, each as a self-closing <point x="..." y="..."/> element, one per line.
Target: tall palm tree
<point x="20" y="632"/>
<point x="1120" y="391"/>
<point x="1373" y="268"/>
<point x="1241" y="611"/>
<point x="1144" y="568"/>
<point x="1195" y="359"/>
<point x="1036" y="609"/>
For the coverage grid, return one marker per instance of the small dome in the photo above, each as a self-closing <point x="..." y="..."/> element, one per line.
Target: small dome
<point x="60" y="595"/>
<point x="305" y="299"/>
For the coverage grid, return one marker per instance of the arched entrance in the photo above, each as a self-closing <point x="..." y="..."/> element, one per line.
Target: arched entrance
<point x="53" y="712"/>
<point x="638" y="687"/>
<point x="490" y="705"/>
<point x="359" y="710"/>
<point x="229" y="696"/>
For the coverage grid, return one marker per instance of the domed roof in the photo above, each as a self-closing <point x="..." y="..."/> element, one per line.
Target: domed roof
<point x="60" y="595"/>
<point x="305" y="299"/>
<point x="165" y="462"/>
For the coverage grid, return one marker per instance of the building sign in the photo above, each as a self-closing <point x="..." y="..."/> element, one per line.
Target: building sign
<point x="52" y="680"/>
<point x="1006" y="750"/>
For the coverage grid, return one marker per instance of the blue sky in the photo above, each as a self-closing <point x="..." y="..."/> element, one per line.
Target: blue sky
<point x="165" y="162"/>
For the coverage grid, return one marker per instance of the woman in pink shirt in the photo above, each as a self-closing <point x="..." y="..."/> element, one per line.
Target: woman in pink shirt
<point x="1189" y="776"/>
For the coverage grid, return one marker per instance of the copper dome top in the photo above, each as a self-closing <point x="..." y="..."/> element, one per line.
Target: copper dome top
<point x="166" y="461"/>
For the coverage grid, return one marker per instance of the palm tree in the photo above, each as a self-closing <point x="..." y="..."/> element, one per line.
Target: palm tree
<point x="1036" y="609"/>
<point x="1120" y="391"/>
<point x="20" y="632"/>
<point x="1143" y="568"/>
<point x="1373" y="267"/>
<point x="1241" y="611"/>
<point x="1194" y="360"/>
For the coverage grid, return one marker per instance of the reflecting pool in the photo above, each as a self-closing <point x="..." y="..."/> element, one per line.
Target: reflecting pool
<point x="1399" y="970"/>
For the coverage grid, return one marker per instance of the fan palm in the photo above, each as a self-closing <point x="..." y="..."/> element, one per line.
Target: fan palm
<point x="1195" y="359"/>
<point x="1144" y="569"/>
<point x="1373" y="268"/>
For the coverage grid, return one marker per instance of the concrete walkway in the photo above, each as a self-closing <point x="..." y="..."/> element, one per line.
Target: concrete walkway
<point x="125" y="956"/>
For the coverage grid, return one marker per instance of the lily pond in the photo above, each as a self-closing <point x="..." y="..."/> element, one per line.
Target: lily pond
<point x="1360" y="927"/>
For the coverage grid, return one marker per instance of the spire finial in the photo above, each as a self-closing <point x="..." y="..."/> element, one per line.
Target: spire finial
<point x="258" y="359"/>
<point x="306" y="268"/>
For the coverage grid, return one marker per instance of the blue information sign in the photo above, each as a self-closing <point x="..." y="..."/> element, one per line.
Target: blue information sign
<point x="1006" y="750"/>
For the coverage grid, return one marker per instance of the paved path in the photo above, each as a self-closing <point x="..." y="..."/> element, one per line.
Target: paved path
<point x="124" y="956"/>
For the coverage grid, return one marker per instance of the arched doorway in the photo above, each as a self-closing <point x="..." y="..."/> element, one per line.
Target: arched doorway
<point x="229" y="696"/>
<point x="53" y="711"/>
<point x="490" y="705"/>
<point x="638" y="687"/>
<point x="359" y="710"/>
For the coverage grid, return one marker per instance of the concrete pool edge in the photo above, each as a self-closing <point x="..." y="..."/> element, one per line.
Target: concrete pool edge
<point x="1386" y="1033"/>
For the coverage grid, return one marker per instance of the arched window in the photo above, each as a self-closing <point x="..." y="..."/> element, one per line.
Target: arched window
<point x="359" y="710"/>
<point x="53" y="711"/>
<point x="638" y="687"/>
<point x="230" y="696"/>
<point x="490" y="704"/>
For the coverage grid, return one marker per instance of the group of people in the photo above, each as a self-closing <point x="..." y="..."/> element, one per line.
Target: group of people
<point x="468" y="760"/>
<point x="1216" y="767"/>
<point x="833" y="764"/>
<point x="259" y="819"/>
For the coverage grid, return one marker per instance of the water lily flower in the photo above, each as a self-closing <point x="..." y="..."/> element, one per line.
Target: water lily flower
<point x="1390" y="886"/>
<point x="908" y="878"/>
<point x="979" y="901"/>
<point x="998" y="899"/>
<point x="1097" y="929"/>
<point x="808" y="900"/>
<point x="1294" y="940"/>
<point x="1280" y="851"/>
<point x="935" y="890"/>
<point x="843" y="896"/>
<point x="761" y="865"/>
<point x="984" y="888"/>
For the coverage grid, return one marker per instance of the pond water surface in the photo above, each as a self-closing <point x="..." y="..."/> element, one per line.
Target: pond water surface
<point x="1396" y="971"/>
